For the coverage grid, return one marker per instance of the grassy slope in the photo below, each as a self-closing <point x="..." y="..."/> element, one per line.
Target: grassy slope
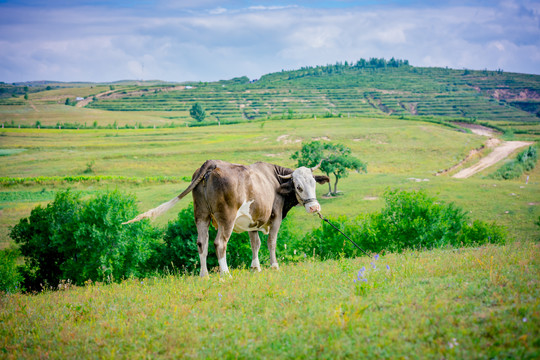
<point x="395" y="150"/>
<point x="453" y="304"/>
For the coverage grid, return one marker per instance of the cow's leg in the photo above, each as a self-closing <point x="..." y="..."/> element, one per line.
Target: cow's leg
<point x="255" y="246"/>
<point x="222" y="238"/>
<point x="272" y="241"/>
<point x="202" y="243"/>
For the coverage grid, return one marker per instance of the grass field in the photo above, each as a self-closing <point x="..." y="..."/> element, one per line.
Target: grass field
<point x="397" y="152"/>
<point x="451" y="304"/>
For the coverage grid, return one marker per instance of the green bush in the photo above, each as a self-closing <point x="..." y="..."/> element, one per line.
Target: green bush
<point x="480" y="233"/>
<point x="83" y="240"/>
<point x="408" y="220"/>
<point x="10" y="277"/>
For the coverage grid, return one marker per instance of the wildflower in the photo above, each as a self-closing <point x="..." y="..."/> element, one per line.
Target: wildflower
<point x="387" y="267"/>
<point x="524" y="319"/>
<point x="453" y="343"/>
<point x="374" y="266"/>
<point x="219" y="294"/>
<point x="376" y="257"/>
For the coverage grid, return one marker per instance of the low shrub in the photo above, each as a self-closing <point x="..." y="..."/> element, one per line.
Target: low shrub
<point x="524" y="161"/>
<point x="83" y="240"/>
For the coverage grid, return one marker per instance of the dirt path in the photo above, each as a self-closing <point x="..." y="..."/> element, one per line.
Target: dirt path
<point x="500" y="152"/>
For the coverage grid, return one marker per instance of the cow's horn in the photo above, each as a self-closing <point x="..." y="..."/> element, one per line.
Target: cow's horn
<point x="285" y="177"/>
<point x="317" y="167"/>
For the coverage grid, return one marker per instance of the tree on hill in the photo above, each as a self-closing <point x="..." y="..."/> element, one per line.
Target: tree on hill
<point x="197" y="112"/>
<point x="335" y="159"/>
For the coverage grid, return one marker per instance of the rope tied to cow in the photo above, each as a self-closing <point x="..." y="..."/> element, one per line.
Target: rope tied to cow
<point x="342" y="233"/>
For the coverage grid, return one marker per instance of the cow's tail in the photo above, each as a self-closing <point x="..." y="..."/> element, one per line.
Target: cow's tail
<point x="161" y="209"/>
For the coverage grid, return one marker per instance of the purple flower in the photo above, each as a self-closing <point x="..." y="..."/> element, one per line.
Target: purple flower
<point x="387" y="267"/>
<point x="219" y="294"/>
<point x="376" y="257"/>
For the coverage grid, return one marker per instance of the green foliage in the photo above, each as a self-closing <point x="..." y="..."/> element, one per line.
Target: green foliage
<point x="10" y="277"/>
<point x="481" y="233"/>
<point x="525" y="161"/>
<point x="413" y="220"/>
<point x="335" y="159"/>
<point x="409" y="220"/>
<point x="197" y="112"/>
<point x="83" y="240"/>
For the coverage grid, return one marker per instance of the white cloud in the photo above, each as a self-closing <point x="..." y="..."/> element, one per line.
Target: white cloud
<point x="180" y="43"/>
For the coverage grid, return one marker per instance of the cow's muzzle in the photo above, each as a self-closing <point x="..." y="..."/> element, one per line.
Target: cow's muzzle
<point x="312" y="206"/>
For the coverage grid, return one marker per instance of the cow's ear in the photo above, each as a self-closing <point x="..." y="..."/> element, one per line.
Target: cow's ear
<point x="286" y="188"/>
<point x="321" y="179"/>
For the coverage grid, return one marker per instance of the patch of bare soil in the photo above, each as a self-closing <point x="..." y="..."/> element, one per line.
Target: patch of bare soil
<point x="286" y="139"/>
<point x="326" y="138"/>
<point x="478" y="129"/>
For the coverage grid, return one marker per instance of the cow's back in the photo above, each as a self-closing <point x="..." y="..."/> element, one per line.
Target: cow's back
<point x="239" y="194"/>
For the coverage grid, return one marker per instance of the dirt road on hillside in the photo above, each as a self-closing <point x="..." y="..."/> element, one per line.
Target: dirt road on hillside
<point x="501" y="152"/>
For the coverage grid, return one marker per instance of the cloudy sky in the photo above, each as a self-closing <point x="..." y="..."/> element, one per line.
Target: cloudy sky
<point x="181" y="40"/>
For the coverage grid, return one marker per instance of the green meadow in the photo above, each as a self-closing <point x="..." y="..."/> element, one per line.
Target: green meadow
<point x="454" y="304"/>
<point x="400" y="154"/>
<point x="450" y="303"/>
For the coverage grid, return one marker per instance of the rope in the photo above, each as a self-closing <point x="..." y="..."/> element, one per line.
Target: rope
<point x="342" y="233"/>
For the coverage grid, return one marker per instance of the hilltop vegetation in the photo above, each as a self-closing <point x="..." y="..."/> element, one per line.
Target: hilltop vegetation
<point x="374" y="87"/>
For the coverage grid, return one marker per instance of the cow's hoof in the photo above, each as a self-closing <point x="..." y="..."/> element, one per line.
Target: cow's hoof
<point x="274" y="266"/>
<point x="256" y="269"/>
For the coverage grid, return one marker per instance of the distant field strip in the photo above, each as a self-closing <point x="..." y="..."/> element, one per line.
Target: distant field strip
<point x="82" y="178"/>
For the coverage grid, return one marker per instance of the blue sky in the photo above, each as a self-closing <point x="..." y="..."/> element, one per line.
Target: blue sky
<point x="212" y="40"/>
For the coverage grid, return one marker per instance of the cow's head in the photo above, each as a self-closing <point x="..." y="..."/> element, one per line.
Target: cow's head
<point x="303" y="183"/>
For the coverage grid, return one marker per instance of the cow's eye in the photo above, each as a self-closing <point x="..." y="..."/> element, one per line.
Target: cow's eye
<point x="299" y="189"/>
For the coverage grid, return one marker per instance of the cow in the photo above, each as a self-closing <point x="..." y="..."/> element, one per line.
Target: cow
<point x="240" y="198"/>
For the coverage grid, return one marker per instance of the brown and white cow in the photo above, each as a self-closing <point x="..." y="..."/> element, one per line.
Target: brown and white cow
<point x="244" y="198"/>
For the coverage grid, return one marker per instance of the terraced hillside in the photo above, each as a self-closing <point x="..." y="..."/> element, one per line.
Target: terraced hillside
<point x="347" y="90"/>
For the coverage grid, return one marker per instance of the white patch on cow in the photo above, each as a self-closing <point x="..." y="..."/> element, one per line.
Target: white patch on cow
<point x="244" y="220"/>
<point x="223" y="268"/>
<point x="274" y="266"/>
